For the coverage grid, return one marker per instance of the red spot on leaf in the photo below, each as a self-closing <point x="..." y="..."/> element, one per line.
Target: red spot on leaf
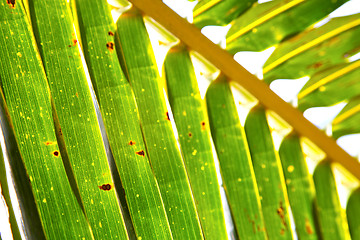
<point x="11" y="3"/>
<point x="308" y="227"/>
<point x="141" y="153"/>
<point x="203" y="125"/>
<point x="110" y="46"/>
<point x="74" y="43"/>
<point x="105" y="187"/>
<point x="47" y="143"/>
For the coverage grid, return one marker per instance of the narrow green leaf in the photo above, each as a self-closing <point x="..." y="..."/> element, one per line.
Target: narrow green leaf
<point x="331" y="86"/>
<point x="192" y="125"/>
<point x="219" y="12"/>
<point x="80" y="132"/>
<point x="136" y="54"/>
<point x="235" y="163"/>
<point x="299" y="185"/>
<point x="327" y="203"/>
<point x="266" y="24"/>
<point x="269" y="175"/>
<point x="347" y="121"/>
<point x="314" y="50"/>
<point x="121" y="119"/>
<point x="6" y="194"/>
<point x="30" y="216"/>
<point x="28" y="102"/>
<point x="352" y="213"/>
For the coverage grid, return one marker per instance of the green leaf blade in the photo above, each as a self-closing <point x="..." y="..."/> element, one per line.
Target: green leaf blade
<point x="218" y="12"/>
<point x="6" y="194"/>
<point x="299" y="187"/>
<point x="314" y="50"/>
<point x="118" y="108"/>
<point x="27" y="97"/>
<point x="235" y="163"/>
<point x="328" y="203"/>
<point x="161" y="145"/>
<point x="331" y="86"/>
<point x="352" y="213"/>
<point x="77" y="119"/>
<point x="266" y="24"/>
<point x="269" y="175"/>
<point x="347" y="121"/>
<point x="192" y="125"/>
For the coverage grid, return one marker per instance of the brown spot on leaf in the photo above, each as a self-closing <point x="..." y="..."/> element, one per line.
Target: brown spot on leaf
<point x="47" y="143"/>
<point x="60" y="132"/>
<point x="282" y="231"/>
<point x="316" y="65"/>
<point x="141" y="153"/>
<point x="56" y="153"/>
<point x="203" y="125"/>
<point x="110" y="46"/>
<point x="11" y="3"/>
<point x="308" y="227"/>
<point x="74" y="43"/>
<point x="111" y="33"/>
<point x="105" y="187"/>
<point x="280" y="211"/>
<point x="250" y="221"/>
<point x="167" y="116"/>
<point x="131" y="143"/>
<point x="190" y="134"/>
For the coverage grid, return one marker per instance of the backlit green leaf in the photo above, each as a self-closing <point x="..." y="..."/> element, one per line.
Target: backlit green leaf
<point x="331" y="86"/>
<point x="219" y="12"/>
<point x="269" y="175"/>
<point x="327" y="203"/>
<point x="6" y="194"/>
<point x="235" y="163"/>
<point x="347" y="121"/>
<point x="27" y="96"/>
<point x="138" y="60"/>
<point x="121" y="119"/>
<point x="80" y="133"/>
<point x="352" y="213"/>
<point x="314" y="50"/>
<point x="192" y="125"/>
<point x="299" y="186"/>
<point x="266" y="24"/>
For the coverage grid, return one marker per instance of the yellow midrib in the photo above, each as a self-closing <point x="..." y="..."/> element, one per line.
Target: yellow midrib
<point x="262" y="19"/>
<point x="205" y="7"/>
<point x="311" y="44"/>
<point x="353" y="66"/>
<point x="346" y="115"/>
